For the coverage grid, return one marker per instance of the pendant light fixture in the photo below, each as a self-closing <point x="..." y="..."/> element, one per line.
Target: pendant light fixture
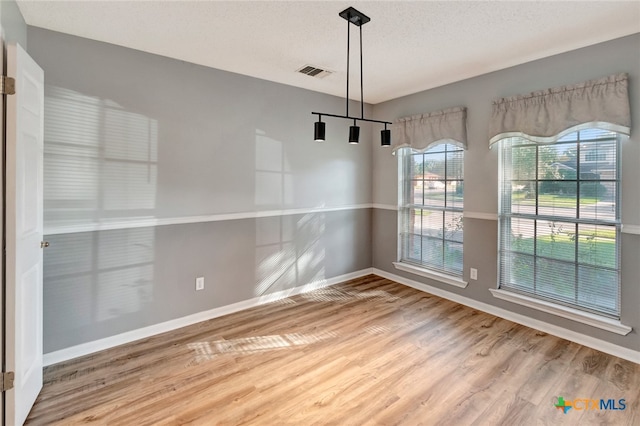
<point x="352" y="16"/>
<point x="319" y="130"/>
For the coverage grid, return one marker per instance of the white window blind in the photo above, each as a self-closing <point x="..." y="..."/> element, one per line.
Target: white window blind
<point x="430" y="208"/>
<point x="560" y="220"/>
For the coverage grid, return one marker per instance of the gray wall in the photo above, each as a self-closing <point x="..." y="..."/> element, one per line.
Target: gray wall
<point x="130" y="135"/>
<point x="98" y="284"/>
<point x="481" y="171"/>
<point x="14" y="29"/>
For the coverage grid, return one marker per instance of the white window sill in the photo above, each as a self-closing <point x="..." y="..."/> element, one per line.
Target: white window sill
<point x="588" y="318"/>
<point x="427" y="273"/>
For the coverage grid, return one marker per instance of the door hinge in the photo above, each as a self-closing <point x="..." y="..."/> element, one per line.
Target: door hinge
<point x="6" y="381"/>
<point x="7" y="85"/>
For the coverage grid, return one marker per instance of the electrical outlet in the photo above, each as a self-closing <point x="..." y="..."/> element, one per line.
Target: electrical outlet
<point x="474" y="274"/>
<point x="199" y="283"/>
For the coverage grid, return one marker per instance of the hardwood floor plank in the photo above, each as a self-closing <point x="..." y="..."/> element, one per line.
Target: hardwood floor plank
<point x="368" y="351"/>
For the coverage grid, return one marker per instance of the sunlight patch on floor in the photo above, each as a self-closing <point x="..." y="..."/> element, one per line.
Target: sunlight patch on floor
<point x="204" y="351"/>
<point x="338" y="295"/>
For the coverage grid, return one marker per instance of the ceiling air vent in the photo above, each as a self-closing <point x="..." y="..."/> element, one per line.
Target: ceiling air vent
<point x="314" y="71"/>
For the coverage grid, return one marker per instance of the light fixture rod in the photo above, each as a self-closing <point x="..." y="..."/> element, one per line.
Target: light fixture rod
<point x="351" y="118"/>
<point x="348" y="44"/>
<point x="361" y="85"/>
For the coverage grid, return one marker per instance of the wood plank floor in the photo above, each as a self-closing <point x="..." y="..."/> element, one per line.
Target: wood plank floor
<point x="368" y="351"/>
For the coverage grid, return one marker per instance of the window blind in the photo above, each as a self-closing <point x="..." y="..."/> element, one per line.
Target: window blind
<point x="430" y="208"/>
<point x="560" y="220"/>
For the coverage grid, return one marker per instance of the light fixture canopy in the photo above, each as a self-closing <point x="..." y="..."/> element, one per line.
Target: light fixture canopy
<point x="357" y="18"/>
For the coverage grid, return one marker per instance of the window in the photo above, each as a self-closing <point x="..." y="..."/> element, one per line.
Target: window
<point x="560" y="220"/>
<point x="430" y="208"/>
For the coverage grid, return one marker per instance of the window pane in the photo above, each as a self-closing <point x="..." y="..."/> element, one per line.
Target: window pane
<point x="595" y="288"/>
<point x="412" y="247"/>
<point x="434" y="193"/>
<point x="522" y="235"/>
<point x="555" y="279"/>
<point x="432" y="223"/>
<point x="557" y="198"/>
<point x="416" y="192"/>
<point x="598" y="160"/>
<point x="455" y="163"/>
<point x="556" y="240"/>
<point x="453" y="257"/>
<point x="549" y="162"/>
<point x="404" y="220"/>
<point x="519" y="271"/>
<point x="417" y="166"/>
<point x="597" y="245"/>
<point x="432" y="252"/>
<point x="523" y="163"/>
<point x="434" y="166"/>
<point x="454" y="194"/>
<point x="453" y="226"/>
<point x="523" y="197"/>
<point x="597" y="200"/>
<point x="411" y="221"/>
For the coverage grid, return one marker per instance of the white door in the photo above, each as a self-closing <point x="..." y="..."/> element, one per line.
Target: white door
<point x="24" y="199"/>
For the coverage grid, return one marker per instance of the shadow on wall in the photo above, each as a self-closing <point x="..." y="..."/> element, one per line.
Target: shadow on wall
<point x="95" y="278"/>
<point x="289" y="252"/>
<point x="101" y="165"/>
<point x="288" y="249"/>
<point x="100" y="160"/>
<point x="273" y="174"/>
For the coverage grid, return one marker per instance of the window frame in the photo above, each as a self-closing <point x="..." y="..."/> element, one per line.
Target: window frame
<point x="542" y="301"/>
<point x="408" y="207"/>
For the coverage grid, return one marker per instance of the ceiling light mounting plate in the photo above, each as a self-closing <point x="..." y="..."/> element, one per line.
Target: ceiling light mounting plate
<point x="354" y="16"/>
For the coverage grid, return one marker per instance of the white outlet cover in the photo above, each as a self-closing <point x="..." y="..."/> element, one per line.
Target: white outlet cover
<point x="473" y="274"/>
<point x="199" y="283"/>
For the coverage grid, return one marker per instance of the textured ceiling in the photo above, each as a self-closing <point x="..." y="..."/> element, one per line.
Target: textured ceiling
<point x="409" y="46"/>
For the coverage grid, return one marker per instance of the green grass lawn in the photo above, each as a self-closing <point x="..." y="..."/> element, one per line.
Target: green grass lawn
<point x="450" y="197"/>
<point x="548" y="200"/>
<point x="593" y="250"/>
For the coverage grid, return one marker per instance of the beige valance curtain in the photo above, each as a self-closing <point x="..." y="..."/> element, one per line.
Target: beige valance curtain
<point x="547" y="115"/>
<point x="421" y="132"/>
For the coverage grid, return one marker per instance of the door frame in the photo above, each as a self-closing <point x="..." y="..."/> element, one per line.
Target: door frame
<point x="3" y="130"/>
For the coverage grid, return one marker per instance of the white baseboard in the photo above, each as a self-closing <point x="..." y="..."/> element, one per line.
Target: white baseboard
<point x="582" y="339"/>
<point x="142" y="333"/>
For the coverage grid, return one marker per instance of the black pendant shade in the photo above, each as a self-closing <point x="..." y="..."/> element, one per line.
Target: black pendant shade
<point x="352" y="16"/>
<point x="318" y="131"/>
<point x="385" y="137"/>
<point x="354" y="134"/>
